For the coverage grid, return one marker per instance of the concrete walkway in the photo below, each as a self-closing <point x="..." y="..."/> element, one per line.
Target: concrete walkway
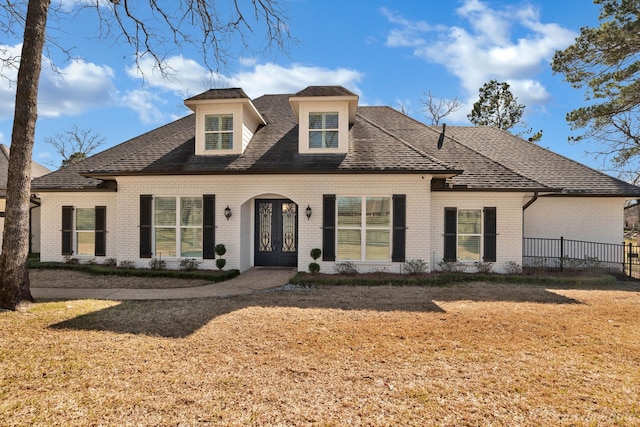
<point x="251" y="281"/>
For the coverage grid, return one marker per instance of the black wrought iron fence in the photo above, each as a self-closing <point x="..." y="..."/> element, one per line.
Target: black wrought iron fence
<point x="565" y="254"/>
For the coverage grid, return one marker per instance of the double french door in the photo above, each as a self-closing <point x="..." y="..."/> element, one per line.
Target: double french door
<point x="276" y="239"/>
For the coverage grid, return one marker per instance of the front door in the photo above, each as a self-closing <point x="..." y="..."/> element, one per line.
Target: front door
<point x="276" y="233"/>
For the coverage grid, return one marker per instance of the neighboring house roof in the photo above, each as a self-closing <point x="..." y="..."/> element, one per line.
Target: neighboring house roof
<point x="381" y="140"/>
<point x="36" y="168"/>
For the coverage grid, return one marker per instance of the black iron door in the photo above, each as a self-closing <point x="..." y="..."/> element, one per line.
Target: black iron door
<point x="276" y="241"/>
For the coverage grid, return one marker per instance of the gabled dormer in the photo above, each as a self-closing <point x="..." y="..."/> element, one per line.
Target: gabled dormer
<point x="225" y="121"/>
<point x="324" y="115"/>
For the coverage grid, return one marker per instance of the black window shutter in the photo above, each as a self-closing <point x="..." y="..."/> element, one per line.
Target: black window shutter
<point x="145" y="225"/>
<point x="208" y="226"/>
<point x="329" y="227"/>
<point x="490" y="235"/>
<point x="101" y="231"/>
<point x="399" y="227"/>
<point x="67" y="230"/>
<point x="450" y="234"/>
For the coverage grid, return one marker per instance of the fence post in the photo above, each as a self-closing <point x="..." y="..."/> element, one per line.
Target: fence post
<point x="561" y="254"/>
<point x="629" y="258"/>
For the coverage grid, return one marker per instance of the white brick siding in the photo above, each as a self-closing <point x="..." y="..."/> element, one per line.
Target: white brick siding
<point x="593" y="219"/>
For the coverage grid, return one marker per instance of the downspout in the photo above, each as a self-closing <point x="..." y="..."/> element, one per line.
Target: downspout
<point x="530" y="202"/>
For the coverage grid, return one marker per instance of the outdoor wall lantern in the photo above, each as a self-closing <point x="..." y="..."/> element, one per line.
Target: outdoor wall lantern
<point x="227" y="212"/>
<point x="308" y="212"/>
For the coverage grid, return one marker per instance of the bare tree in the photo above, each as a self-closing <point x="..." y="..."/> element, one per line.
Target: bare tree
<point x="437" y="108"/>
<point x="200" y="23"/>
<point x="74" y="144"/>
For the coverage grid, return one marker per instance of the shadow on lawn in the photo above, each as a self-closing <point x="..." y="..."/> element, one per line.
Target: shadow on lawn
<point x="181" y="318"/>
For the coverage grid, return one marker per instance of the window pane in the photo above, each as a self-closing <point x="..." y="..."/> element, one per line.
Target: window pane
<point x="191" y="242"/>
<point x="211" y="123"/>
<point x="315" y="139"/>
<point x="349" y="212"/>
<point x="226" y="141"/>
<point x="469" y="248"/>
<point x="212" y="141"/>
<point x="227" y="122"/>
<point x="86" y="243"/>
<point x="315" y="121"/>
<point x="348" y="245"/>
<point x="165" y="213"/>
<point x="469" y="221"/>
<point x="191" y="211"/>
<point x="378" y="212"/>
<point x="331" y="139"/>
<point x="165" y="242"/>
<point x="377" y="245"/>
<point x="85" y="219"/>
<point x="331" y="121"/>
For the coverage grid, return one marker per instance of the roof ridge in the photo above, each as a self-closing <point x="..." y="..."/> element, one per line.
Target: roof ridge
<point x="406" y="143"/>
<point x="432" y="129"/>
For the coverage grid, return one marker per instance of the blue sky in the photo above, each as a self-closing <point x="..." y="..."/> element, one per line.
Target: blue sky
<point x="388" y="52"/>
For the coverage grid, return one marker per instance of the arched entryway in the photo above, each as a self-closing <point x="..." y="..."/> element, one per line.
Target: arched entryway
<point x="276" y="233"/>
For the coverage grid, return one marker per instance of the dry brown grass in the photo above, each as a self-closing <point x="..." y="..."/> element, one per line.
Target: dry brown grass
<point x="480" y="354"/>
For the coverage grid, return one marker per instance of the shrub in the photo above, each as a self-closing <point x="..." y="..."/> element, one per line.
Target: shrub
<point x="91" y="261"/>
<point x="127" y="264"/>
<point x="315" y="253"/>
<point x="220" y="249"/>
<point x="220" y="263"/>
<point x="189" y="264"/>
<point x="157" y="264"/>
<point x="68" y="259"/>
<point x="415" y="266"/>
<point x="512" y="267"/>
<point x="346" y="268"/>
<point x="314" y="267"/>
<point x="110" y="262"/>
<point x="484" y="267"/>
<point x="452" y="266"/>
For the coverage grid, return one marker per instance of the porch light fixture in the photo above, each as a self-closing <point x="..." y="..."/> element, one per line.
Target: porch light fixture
<point x="308" y="211"/>
<point x="227" y="212"/>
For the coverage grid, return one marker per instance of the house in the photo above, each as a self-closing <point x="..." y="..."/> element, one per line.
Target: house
<point x="274" y="177"/>
<point x="34" y="208"/>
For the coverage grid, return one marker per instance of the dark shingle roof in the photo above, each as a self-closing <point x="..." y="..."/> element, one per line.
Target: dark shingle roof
<point x="532" y="160"/>
<point x="324" y="91"/>
<point x="230" y="93"/>
<point x="381" y="140"/>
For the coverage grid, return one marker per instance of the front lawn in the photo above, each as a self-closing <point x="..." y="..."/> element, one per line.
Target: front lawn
<point x="473" y="354"/>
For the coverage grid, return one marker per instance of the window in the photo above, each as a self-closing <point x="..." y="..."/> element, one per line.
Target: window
<point x="178" y="227"/>
<point x="323" y="130"/>
<point x="467" y="238"/>
<point x="218" y="132"/>
<point x="85" y="231"/>
<point x="469" y="233"/>
<point x="364" y="228"/>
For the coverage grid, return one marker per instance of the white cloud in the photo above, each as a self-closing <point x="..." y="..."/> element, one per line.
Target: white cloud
<point x="510" y="45"/>
<point x="272" y="78"/>
<point x="146" y="104"/>
<point x="70" y="90"/>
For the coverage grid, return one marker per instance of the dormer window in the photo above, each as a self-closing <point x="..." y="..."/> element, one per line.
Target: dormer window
<point x="323" y="130"/>
<point x="218" y="132"/>
<point x="324" y="115"/>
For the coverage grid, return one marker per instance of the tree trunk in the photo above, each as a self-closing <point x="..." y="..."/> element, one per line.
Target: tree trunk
<point x="14" y="275"/>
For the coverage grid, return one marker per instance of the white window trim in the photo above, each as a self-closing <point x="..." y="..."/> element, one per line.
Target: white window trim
<point x="341" y="107"/>
<point x="219" y="133"/>
<point x="236" y="111"/>
<point x="177" y="226"/>
<point x="480" y="235"/>
<point x="363" y="228"/>
<point x="76" y="232"/>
